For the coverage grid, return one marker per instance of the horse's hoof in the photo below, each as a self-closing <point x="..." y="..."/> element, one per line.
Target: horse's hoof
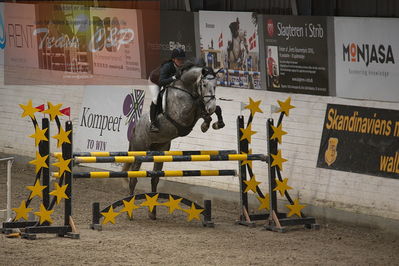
<point x="218" y="125"/>
<point x="204" y="127"/>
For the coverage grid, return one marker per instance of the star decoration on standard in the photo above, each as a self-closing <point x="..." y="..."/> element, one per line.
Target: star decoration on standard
<point x="29" y="110"/>
<point x="53" y="110"/>
<point x="59" y="192"/>
<point x="109" y="216"/>
<point x="282" y="186"/>
<point x="247" y="133"/>
<point x="173" y="204"/>
<point x="247" y="162"/>
<point x="285" y="106"/>
<point x="278" y="160"/>
<point x="252" y="184"/>
<point x="44" y="214"/>
<point x="37" y="189"/>
<point x="129" y="206"/>
<point x="278" y="133"/>
<point x="39" y="162"/>
<point x="193" y="212"/>
<point x="39" y="135"/>
<point x="253" y="106"/>
<point x="151" y="202"/>
<point x="264" y="202"/>
<point x="62" y="137"/>
<point x="63" y="166"/>
<point x="22" y="211"/>
<point x="295" y="208"/>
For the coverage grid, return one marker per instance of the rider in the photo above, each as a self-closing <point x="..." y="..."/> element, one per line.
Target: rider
<point x="167" y="74"/>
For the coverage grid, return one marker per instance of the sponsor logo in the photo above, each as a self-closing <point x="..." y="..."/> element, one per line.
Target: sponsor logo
<point x="368" y="53"/>
<point x="270" y="27"/>
<point x="331" y="153"/>
<point x="2" y="33"/>
<point x="209" y="26"/>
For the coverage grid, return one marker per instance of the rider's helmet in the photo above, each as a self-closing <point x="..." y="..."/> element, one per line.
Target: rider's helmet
<point x="178" y="53"/>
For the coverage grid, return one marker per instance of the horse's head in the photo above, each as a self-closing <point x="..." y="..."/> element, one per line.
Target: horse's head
<point x="206" y="89"/>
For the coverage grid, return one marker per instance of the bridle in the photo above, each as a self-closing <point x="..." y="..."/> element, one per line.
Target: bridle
<point x="208" y="75"/>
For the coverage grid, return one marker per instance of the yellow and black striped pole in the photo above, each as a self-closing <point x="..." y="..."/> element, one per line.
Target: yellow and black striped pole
<point x="172" y="158"/>
<point x="134" y="174"/>
<point x="147" y="153"/>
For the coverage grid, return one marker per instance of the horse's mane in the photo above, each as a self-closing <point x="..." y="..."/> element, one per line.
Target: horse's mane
<point x="192" y="69"/>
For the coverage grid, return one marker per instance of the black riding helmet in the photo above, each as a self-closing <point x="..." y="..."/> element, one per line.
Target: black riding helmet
<point x="178" y="53"/>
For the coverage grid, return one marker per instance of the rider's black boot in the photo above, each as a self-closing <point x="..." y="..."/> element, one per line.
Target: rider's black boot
<point x="154" y="127"/>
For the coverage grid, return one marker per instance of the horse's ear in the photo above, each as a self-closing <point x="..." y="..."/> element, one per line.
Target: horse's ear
<point x="217" y="72"/>
<point x="204" y="71"/>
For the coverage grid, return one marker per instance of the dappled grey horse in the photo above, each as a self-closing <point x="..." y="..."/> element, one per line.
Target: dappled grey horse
<point x="185" y="101"/>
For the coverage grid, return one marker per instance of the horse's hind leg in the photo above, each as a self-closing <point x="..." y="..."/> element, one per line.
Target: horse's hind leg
<point x="133" y="181"/>
<point x="155" y="180"/>
<point x="219" y="124"/>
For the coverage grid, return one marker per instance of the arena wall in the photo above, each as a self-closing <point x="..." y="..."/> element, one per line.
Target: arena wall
<point x="355" y="193"/>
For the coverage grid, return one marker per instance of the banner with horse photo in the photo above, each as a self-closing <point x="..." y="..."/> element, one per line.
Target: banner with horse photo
<point x="229" y="40"/>
<point x="361" y="140"/>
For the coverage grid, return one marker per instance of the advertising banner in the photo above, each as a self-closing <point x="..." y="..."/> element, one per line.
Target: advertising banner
<point x="181" y="35"/>
<point x="296" y="54"/>
<point x="63" y="33"/>
<point x="115" y="42"/>
<point x="361" y="140"/>
<point x="229" y="40"/>
<point x="366" y="58"/>
<point x="107" y="118"/>
<point x="20" y="42"/>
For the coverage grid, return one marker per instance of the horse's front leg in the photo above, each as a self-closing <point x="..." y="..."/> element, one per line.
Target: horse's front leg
<point x="154" y="185"/>
<point x="205" y="125"/>
<point x="219" y="124"/>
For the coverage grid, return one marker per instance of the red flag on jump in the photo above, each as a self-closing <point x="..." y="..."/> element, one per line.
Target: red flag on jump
<point x="220" y="41"/>
<point x="40" y="107"/>
<point x="66" y="111"/>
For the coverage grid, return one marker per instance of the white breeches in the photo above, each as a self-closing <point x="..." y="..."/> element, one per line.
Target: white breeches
<point x="154" y="89"/>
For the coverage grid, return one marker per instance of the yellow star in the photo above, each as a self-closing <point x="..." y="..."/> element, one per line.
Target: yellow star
<point x="53" y="110"/>
<point x="39" y="135"/>
<point x="295" y="208"/>
<point x="173" y="204"/>
<point x="59" y="192"/>
<point x="151" y="202"/>
<point x="39" y="162"/>
<point x="285" y="106"/>
<point x="29" y="110"/>
<point x="129" y="206"/>
<point x="253" y="106"/>
<point x="22" y="211"/>
<point x="278" y="160"/>
<point x="63" y="165"/>
<point x="249" y="162"/>
<point x="251" y="184"/>
<point x="193" y="213"/>
<point x="278" y="133"/>
<point x="247" y="133"/>
<point x="282" y="186"/>
<point x="62" y="137"/>
<point x="109" y="216"/>
<point x="44" y="214"/>
<point x="264" y="202"/>
<point x="37" y="189"/>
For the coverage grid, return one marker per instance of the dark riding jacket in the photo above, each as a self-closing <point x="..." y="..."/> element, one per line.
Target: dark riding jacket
<point x="167" y="71"/>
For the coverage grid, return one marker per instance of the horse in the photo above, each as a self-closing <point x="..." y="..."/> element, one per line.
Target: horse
<point x="184" y="102"/>
<point x="236" y="53"/>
